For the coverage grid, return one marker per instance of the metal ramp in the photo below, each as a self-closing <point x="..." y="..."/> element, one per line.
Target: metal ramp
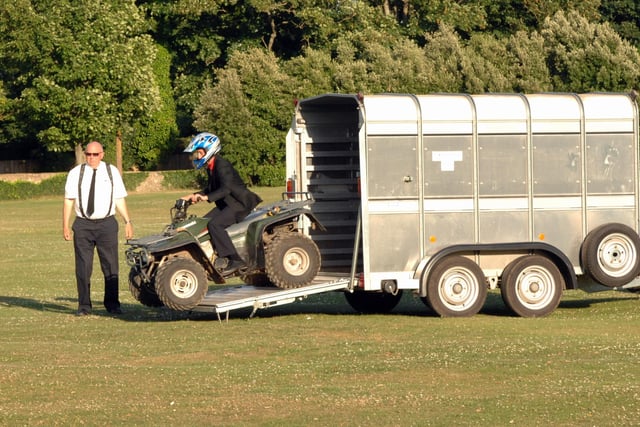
<point x="224" y="300"/>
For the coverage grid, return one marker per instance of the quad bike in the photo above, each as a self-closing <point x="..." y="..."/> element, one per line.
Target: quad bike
<point x="173" y="268"/>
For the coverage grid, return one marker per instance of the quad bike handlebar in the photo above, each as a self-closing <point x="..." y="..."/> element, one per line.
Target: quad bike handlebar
<point x="179" y="210"/>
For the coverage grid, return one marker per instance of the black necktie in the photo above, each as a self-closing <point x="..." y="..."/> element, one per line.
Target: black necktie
<point x="91" y="194"/>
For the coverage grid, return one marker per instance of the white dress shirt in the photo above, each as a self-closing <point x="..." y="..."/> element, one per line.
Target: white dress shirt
<point x="102" y="191"/>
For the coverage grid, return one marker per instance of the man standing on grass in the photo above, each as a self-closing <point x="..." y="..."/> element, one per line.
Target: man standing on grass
<point x="95" y="191"/>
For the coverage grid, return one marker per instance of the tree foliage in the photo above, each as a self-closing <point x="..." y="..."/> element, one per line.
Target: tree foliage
<point x="76" y="70"/>
<point x="153" y="138"/>
<point x="584" y="56"/>
<point x="161" y="71"/>
<point x="248" y="108"/>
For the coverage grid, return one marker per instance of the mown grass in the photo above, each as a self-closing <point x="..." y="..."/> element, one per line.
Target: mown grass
<point x="314" y="362"/>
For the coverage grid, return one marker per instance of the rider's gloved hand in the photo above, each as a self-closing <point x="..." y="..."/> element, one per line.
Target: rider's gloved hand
<point x="194" y="198"/>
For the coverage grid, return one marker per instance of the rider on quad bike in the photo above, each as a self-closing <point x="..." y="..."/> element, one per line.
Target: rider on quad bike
<point x="234" y="201"/>
<point x="265" y="246"/>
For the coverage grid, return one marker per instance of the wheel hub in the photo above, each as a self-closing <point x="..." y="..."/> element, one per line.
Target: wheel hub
<point x="457" y="289"/>
<point x="616" y="256"/>
<point x="296" y="262"/>
<point x="184" y="284"/>
<point x="535" y="286"/>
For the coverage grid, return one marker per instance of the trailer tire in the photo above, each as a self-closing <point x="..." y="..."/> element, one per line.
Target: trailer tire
<point x="373" y="302"/>
<point x="456" y="287"/>
<point x="181" y="283"/>
<point x="292" y="260"/>
<point x="532" y="286"/>
<point x="610" y="254"/>
<point x="144" y="293"/>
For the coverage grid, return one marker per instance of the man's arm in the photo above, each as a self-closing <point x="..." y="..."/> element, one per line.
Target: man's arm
<point x="121" y="207"/>
<point x="67" y="207"/>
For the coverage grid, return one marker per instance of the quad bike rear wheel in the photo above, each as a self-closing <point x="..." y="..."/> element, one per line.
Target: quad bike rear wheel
<point x="292" y="260"/>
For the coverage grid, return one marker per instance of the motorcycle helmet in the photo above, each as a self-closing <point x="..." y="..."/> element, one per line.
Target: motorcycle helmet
<point x="206" y="141"/>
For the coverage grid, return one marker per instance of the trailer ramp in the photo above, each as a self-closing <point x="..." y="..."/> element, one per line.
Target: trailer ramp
<point x="222" y="301"/>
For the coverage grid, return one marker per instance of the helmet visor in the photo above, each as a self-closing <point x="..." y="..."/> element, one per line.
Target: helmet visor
<point x="197" y="155"/>
<point x="198" y="158"/>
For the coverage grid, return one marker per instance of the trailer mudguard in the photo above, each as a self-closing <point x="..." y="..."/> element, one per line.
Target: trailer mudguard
<point x="556" y="255"/>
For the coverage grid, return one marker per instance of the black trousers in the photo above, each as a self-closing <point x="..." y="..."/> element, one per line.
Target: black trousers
<point x="219" y="220"/>
<point x="89" y="235"/>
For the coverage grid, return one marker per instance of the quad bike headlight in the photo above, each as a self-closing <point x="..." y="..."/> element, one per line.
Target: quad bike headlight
<point x="137" y="257"/>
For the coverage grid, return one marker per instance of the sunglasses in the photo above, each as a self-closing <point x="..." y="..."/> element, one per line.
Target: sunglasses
<point x="92" y="154"/>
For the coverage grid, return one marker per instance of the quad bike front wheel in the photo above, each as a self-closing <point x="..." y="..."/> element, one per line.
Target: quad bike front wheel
<point x="143" y="292"/>
<point x="292" y="260"/>
<point x="181" y="283"/>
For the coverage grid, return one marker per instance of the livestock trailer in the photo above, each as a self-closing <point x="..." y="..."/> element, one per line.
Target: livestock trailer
<point x="449" y="195"/>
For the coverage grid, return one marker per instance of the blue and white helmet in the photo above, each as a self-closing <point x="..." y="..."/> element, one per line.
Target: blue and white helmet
<point x="206" y="141"/>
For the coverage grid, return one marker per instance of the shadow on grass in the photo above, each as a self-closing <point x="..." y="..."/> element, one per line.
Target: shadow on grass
<point x="39" y="305"/>
<point x="332" y="303"/>
<point x="131" y="312"/>
<point x="335" y="304"/>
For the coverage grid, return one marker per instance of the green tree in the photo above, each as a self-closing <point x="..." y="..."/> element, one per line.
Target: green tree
<point x="77" y="70"/>
<point x="507" y="17"/>
<point x="419" y="17"/>
<point x="487" y="65"/>
<point x="373" y="61"/>
<point x="249" y="108"/>
<point x="529" y="67"/>
<point x="585" y="56"/>
<point x="311" y="73"/>
<point x="152" y="138"/>
<point x="192" y="31"/>
<point x="446" y="51"/>
<point x="624" y="17"/>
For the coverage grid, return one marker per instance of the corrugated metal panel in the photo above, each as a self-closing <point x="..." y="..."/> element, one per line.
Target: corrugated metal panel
<point x="501" y="114"/>
<point x="608" y="113"/>
<point x="391" y="115"/>
<point x="446" y="114"/>
<point x="555" y="113"/>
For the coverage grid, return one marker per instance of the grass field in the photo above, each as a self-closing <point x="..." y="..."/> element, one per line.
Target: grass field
<point x="312" y="363"/>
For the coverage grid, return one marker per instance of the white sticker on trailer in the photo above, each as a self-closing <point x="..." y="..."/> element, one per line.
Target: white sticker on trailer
<point x="447" y="159"/>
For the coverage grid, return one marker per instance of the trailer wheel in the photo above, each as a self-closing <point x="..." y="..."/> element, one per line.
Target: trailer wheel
<point x="181" y="283"/>
<point x="144" y="293"/>
<point x="292" y="260"/>
<point x="372" y="302"/>
<point x="532" y="286"/>
<point x="610" y="254"/>
<point x="456" y="287"/>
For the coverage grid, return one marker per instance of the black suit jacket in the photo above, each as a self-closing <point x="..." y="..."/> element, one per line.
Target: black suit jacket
<point x="227" y="190"/>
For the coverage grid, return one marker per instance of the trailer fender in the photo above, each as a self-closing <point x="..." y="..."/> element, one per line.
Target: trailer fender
<point x="545" y="249"/>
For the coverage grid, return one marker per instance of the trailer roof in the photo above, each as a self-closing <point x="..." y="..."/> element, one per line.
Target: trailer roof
<point x="509" y="113"/>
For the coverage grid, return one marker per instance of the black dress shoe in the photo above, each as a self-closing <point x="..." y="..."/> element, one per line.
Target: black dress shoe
<point x="221" y="263"/>
<point x="234" y="266"/>
<point x="82" y="312"/>
<point x="116" y="310"/>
